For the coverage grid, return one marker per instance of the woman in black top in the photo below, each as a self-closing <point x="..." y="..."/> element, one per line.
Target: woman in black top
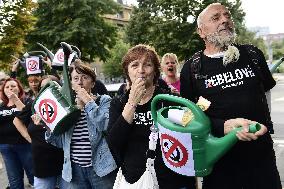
<point x="47" y="159"/>
<point x="15" y="149"/>
<point x="130" y="121"/>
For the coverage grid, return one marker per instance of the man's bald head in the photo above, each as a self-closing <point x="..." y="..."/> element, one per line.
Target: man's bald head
<point x="200" y="16"/>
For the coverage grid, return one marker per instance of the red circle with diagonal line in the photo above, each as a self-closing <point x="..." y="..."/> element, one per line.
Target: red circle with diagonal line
<point x="60" y="56"/>
<point x="175" y="146"/>
<point x="48" y="110"/>
<point x="32" y="65"/>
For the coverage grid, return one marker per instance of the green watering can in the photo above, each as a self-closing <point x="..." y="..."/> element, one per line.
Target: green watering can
<point x="55" y="104"/>
<point x="190" y="150"/>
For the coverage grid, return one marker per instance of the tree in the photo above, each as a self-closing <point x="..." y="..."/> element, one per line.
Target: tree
<point x="248" y="37"/>
<point x="16" y="21"/>
<point x="278" y="49"/>
<point x="170" y="26"/>
<point x="79" y="23"/>
<point x="112" y="66"/>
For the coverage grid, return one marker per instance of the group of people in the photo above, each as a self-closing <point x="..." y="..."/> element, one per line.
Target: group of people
<point x="114" y="133"/>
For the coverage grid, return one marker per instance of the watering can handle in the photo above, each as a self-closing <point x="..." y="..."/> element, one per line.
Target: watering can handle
<point x="66" y="49"/>
<point x="36" y="53"/>
<point x="77" y="50"/>
<point x="197" y="112"/>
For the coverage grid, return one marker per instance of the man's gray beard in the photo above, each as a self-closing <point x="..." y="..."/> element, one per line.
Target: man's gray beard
<point x="221" y="41"/>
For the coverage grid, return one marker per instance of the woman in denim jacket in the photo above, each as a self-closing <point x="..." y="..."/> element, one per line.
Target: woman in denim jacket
<point x="88" y="162"/>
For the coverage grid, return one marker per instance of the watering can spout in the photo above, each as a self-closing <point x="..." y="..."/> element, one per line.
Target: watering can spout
<point x="48" y="52"/>
<point x="273" y="68"/>
<point x="217" y="147"/>
<point x="66" y="89"/>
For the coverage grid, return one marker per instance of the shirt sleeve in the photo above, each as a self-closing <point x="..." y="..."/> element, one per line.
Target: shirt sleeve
<point x="268" y="80"/>
<point x="186" y="83"/>
<point x="25" y="114"/>
<point x="99" y="114"/>
<point x="118" y="130"/>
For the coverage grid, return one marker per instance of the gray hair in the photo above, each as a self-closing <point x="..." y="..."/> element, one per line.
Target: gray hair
<point x="199" y="18"/>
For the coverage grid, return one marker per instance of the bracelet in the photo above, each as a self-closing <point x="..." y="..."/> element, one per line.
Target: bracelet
<point x="132" y="105"/>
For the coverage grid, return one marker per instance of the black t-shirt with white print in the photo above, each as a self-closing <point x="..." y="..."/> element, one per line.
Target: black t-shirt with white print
<point x="129" y="144"/>
<point x="233" y="90"/>
<point x="8" y="132"/>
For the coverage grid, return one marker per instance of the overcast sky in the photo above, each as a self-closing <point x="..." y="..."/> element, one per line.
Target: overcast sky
<point x="260" y="13"/>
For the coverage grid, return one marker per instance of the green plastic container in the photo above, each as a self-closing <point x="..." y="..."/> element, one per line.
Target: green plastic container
<point x="55" y="104"/>
<point x="190" y="150"/>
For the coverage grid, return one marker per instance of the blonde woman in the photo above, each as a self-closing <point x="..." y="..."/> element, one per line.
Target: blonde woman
<point x="169" y="66"/>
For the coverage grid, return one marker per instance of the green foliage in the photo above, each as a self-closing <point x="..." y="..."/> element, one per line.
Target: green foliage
<point x="79" y="23"/>
<point x="248" y="37"/>
<point x="278" y="49"/>
<point x="170" y="26"/>
<point x="16" y="21"/>
<point x="112" y="66"/>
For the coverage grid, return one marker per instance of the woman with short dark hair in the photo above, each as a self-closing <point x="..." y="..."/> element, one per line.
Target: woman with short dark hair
<point x="88" y="162"/>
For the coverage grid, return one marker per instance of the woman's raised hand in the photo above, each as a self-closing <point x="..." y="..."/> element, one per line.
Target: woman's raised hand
<point x="137" y="91"/>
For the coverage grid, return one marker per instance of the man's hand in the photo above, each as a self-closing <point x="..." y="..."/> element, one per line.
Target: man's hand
<point x="244" y="134"/>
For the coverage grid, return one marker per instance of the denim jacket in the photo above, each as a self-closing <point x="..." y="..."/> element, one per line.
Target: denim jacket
<point x="97" y="122"/>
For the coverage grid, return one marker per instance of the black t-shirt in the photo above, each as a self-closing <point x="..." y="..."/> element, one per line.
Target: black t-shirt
<point x="8" y="132"/>
<point x="234" y="90"/>
<point x="130" y="142"/>
<point x="47" y="159"/>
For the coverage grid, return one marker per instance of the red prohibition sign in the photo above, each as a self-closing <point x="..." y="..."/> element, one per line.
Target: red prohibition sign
<point x="60" y="56"/>
<point x="48" y="110"/>
<point x="32" y="65"/>
<point x="176" y="145"/>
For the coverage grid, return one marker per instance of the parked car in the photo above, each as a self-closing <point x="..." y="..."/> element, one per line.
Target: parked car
<point x="113" y="88"/>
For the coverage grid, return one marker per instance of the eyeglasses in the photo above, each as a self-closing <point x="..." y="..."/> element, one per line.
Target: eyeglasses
<point x="83" y="77"/>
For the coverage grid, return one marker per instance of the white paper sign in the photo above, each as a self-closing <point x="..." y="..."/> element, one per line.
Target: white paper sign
<point x="58" y="59"/>
<point x="32" y="65"/>
<point x="49" y="109"/>
<point x="177" y="151"/>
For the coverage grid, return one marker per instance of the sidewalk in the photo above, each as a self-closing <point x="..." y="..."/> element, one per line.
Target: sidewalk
<point x="278" y="76"/>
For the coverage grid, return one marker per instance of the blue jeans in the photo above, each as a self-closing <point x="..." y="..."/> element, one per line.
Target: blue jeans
<point x="86" y="178"/>
<point x="50" y="183"/>
<point x="17" y="158"/>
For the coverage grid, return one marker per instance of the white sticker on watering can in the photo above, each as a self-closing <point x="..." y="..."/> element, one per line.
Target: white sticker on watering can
<point x="58" y="59"/>
<point x="32" y="65"/>
<point x="49" y="109"/>
<point x="177" y="151"/>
